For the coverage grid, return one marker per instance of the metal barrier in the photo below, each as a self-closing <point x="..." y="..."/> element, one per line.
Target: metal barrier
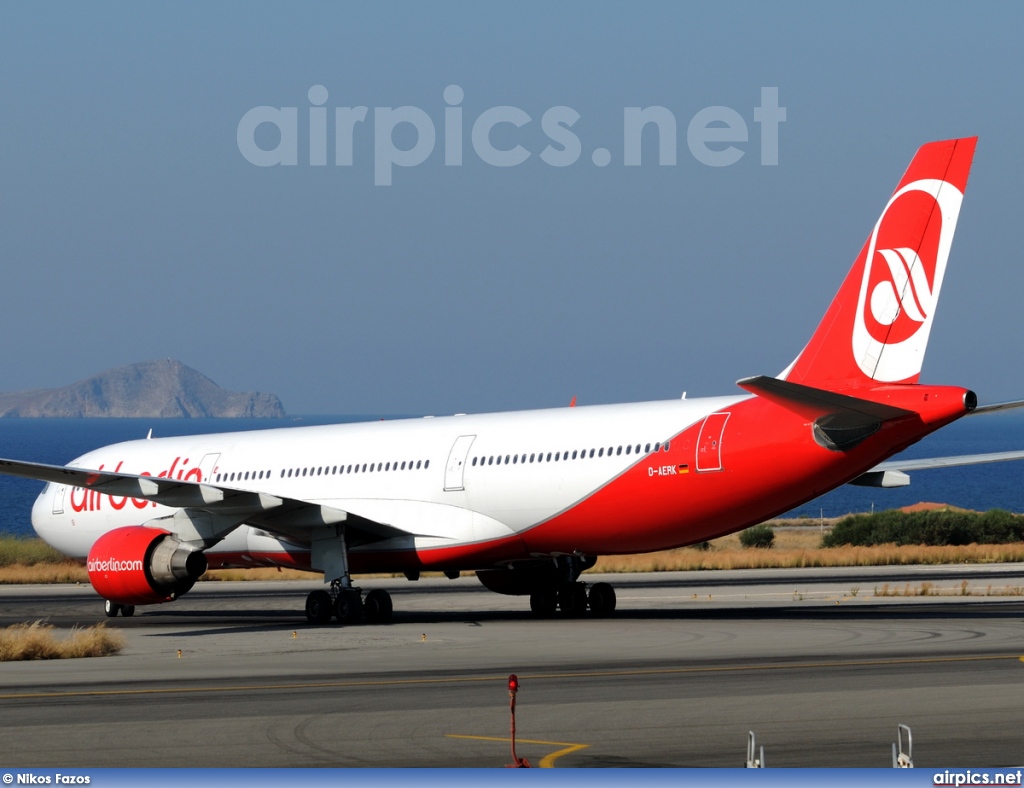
<point x="754" y="762"/>
<point x="901" y="759"/>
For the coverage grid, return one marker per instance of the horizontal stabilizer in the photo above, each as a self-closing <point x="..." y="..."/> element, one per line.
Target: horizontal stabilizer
<point x="840" y="421"/>
<point x="881" y="479"/>
<point x="814" y="403"/>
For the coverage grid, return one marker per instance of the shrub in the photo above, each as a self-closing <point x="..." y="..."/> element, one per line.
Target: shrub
<point x="940" y="527"/>
<point x="27" y="552"/>
<point x="758" y="536"/>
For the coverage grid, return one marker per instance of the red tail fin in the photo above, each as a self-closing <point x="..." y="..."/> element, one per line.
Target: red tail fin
<point x="876" y="329"/>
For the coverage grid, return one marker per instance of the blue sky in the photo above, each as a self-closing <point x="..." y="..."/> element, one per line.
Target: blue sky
<point x="132" y="227"/>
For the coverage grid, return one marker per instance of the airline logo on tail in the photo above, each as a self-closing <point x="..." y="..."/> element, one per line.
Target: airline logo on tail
<point x="903" y="270"/>
<point x="876" y="329"/>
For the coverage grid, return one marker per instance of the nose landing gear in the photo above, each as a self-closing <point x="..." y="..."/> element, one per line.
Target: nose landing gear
<point x="111" y="609"/>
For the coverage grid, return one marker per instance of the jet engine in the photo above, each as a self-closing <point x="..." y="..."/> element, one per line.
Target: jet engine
<point x="135" y="565"/>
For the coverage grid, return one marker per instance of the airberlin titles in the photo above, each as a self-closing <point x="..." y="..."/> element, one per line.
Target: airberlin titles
<point x="86" y="500"/>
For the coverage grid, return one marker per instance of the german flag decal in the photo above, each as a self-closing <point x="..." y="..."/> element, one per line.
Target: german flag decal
<point x="684" y="469"/>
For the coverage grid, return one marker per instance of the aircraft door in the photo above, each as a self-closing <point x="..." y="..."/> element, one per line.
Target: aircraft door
<point x="709" y="445"/>
<point x="453" y="472"/>
<point x="59" y="491"/>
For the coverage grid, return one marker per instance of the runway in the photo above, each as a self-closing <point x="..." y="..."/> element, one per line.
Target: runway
<point x="818" y="663"/>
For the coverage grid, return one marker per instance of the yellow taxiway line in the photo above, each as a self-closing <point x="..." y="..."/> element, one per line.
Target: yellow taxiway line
<point x="547" y="762"/>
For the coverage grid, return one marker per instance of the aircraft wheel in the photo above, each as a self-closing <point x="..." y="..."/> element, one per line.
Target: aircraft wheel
<point x="602" y="599"/>
<point x="127" y="610"/>
<point x="348" y="607"/>
<point x="318" y="607"/>
<point x="377" y="607"/>
<point x="543" y="603"/>
<point x="111" y="609"/>
<point x="572" y="600"/>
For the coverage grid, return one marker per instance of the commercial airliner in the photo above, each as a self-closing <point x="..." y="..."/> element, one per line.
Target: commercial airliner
<point x="530" y="499"/>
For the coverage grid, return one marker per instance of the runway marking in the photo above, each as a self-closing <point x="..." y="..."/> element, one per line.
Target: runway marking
<point x="547" y="762"/>
<point x="852" y="663"/>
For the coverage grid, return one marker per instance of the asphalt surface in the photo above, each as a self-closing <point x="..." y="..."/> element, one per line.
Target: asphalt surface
<point x="821" y="664"/>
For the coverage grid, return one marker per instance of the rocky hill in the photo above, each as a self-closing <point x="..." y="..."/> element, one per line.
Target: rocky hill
<point x="150" y="389"/>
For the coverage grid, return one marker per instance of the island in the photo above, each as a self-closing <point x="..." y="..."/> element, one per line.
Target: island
<point x="150" y="389"/>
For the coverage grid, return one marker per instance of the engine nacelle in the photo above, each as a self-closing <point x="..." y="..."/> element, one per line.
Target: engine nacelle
<point x="135" y="565"/>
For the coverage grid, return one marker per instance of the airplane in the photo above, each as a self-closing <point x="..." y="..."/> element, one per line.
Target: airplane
<point x="529" y="499"/>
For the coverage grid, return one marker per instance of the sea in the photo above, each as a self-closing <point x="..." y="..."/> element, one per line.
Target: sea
<point x="978" y="487"/>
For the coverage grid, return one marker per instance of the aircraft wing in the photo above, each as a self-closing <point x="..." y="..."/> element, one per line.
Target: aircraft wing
<point x="280" y="515"/>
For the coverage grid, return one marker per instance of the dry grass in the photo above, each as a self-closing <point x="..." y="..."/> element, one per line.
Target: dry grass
<point x="258" y="573"/>
<point x="69" y="572"/>
<point x="37" y="641"/>
<point x="800" y="547"/>
<point x="964" y="589"/>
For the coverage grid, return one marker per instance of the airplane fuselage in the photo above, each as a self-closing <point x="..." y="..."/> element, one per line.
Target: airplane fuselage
<point x="474" y="491"/>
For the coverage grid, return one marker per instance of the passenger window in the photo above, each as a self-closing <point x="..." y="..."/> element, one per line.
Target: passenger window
<point x="657" y="446"/>
<point x="628" y="449"/>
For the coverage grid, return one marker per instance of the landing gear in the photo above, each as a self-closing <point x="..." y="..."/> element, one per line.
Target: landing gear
<point x="348" y="606"/>
<point x="601" y="599"/>
<point x="319" y="607"/>
<point x="543" y="603"/>
<point x="377" y="607"/>
<point x="572" y="600"/>
<point x="111" y="609"/>
<point x="556" y="587"/>
<point x="344" y="601"/>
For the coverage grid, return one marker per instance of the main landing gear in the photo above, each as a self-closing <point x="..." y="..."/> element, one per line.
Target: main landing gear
<point x="344" y="602"/>
<point x="553" y="586"/>
<point x="348" y="605"/>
